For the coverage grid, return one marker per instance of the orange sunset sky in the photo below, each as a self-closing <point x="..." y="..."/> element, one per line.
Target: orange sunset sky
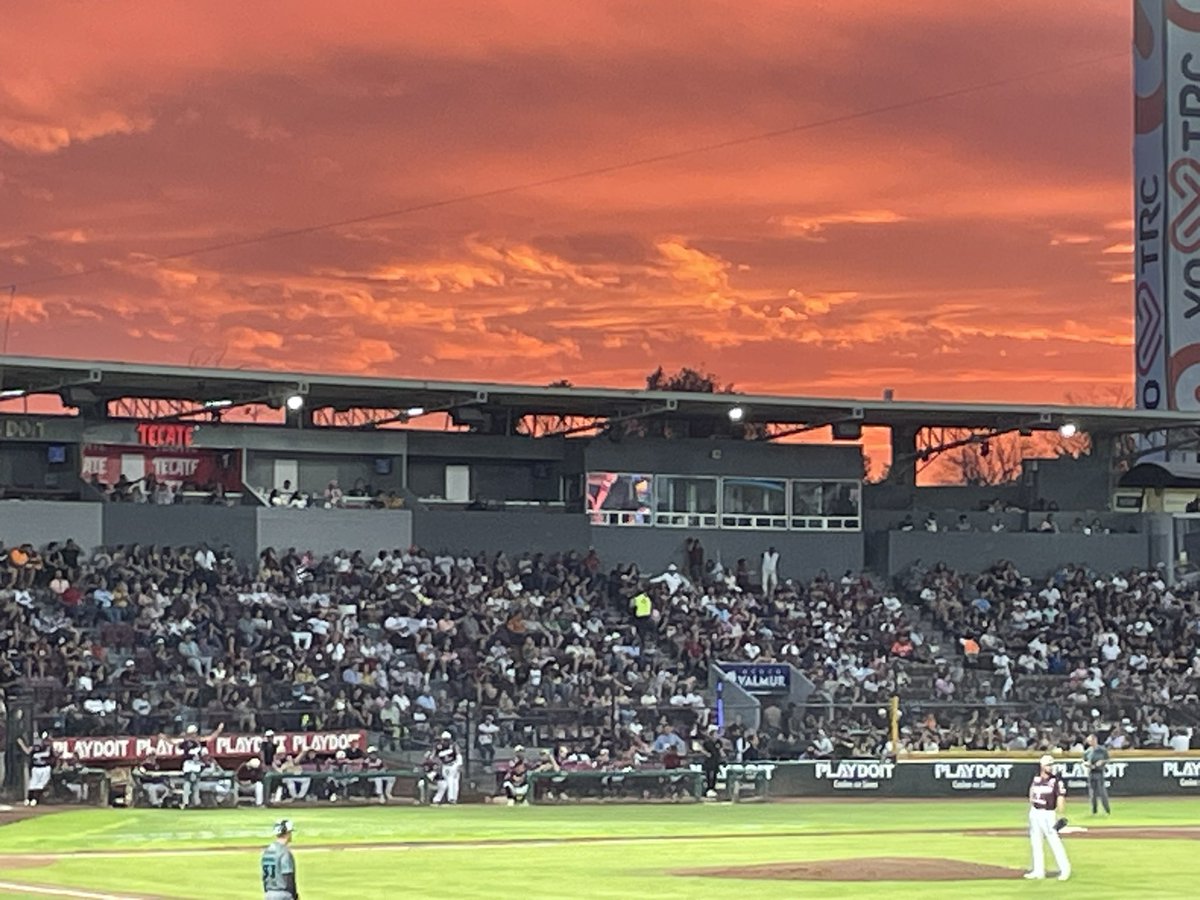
<point x="976" y="247"/>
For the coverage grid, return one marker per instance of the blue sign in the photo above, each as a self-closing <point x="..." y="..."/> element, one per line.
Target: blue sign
<point x="759" y="678"/>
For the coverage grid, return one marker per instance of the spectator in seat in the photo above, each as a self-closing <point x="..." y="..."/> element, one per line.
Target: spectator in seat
<point x="1048" y="525"/>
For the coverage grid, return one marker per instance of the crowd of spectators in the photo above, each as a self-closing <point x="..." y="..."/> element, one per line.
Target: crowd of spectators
<point x="1119" y="654"/>
<point x="150" y="490"/>
<point x="360" y="496"/>
<point x="560" y="650"/>
<point x="144" y="639"/>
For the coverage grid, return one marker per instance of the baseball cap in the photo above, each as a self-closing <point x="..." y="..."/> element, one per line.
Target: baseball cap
<point x="445" y="735"/>
<point x="1046" y="760"/>
<point x="284" y="826"/>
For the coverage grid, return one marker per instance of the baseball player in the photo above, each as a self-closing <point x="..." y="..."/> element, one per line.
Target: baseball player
<point x="192" y="747"/>
<point x="250" y="778"/>
<point x="516" y="779"/>
<point x="713" y="757"/>
<point x="451" y="763"/>
<point x="278" y="865"/>
<point x="41" y="767"/>
<point x="376" y="770"/>
<point x="1095" y="760"/>
<point x="72" y="776"/>
<point x="148" y="775"/>
<point x="1047" y="803"/>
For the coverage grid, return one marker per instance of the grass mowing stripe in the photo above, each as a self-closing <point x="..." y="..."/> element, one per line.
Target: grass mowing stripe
<point x="26" y="889"/>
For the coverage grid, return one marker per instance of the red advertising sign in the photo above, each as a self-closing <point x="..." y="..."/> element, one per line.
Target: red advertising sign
<point x="164" y="434"/>
<point x="175" y="466"/>
<point x="128" y="749"/>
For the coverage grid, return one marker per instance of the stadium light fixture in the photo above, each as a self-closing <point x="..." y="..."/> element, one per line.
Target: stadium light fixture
<point x="217" y="404"/>
<point x="295" y="402"/>
<point x="1068" y="429"/>
<point x="736" y="414"/>
<point x="413" y="411"/>
<point x="11" y="394"/>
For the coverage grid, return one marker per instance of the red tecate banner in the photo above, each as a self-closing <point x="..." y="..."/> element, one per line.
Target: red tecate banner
<point x="174" y="465"/>
<point x="224" y="746"/>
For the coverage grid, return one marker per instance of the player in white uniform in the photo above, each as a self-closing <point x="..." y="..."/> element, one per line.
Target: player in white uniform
<point x="41" y="767"/>
<point x="1047" y="804"/>
<point x="192" y="747"/>
<point x="452" y="762"/>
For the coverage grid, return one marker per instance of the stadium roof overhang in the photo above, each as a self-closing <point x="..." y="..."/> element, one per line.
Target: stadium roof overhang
<point x="80" y="383"/>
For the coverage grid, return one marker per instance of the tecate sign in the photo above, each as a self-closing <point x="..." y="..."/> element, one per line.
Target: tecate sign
<point x="855" y="776"/>
<point x="973" y="776"/>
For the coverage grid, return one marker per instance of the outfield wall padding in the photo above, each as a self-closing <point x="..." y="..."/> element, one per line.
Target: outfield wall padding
<point x="1165" y="775"/>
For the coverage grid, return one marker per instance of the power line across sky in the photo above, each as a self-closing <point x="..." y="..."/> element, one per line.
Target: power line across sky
<point x="581" y="174"/>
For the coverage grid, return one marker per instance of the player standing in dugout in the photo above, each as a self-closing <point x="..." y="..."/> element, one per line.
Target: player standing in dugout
<point x="1095" y="760"/>
<point x="41" y="766"/>
<point x="278" y="865"/>
<point x="1047" y="806"/>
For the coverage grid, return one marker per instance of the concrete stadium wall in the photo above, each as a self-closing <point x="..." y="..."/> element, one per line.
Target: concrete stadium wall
<point x="653" y="549"/>
<point x="724" y="457"/>
<point x="800" y="555"/>
<point x="1033" y="554"/>
<point x="492" y="531"/>
<point x="183" y="525"/>
<point x="40" y="522"/>
<point x="326" y="530"/>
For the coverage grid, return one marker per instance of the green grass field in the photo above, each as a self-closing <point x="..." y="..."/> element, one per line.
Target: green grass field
<point x="581" y="851"/>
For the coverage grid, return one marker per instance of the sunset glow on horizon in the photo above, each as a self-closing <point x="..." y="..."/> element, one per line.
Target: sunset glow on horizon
<point x="974" y="247"/>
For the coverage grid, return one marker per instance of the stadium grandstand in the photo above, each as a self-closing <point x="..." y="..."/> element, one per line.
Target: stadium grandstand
<point x="609" y="578"/>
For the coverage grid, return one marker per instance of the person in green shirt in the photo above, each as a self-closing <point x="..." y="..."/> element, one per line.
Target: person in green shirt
<point x="1095" y="760"/>
<point x="278" y="866"/>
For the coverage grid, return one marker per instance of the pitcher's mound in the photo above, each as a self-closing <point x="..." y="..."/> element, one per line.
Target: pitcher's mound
<point x="875" y="868"/>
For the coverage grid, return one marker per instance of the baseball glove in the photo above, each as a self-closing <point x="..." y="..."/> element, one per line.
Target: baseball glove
<point x="1060" y="824"/>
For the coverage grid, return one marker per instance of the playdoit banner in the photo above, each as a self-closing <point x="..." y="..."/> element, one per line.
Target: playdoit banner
<point x="998" y="777"/>
<point x="124" y="749"/>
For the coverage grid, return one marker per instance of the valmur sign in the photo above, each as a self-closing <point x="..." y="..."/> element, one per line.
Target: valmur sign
<point x="223" y="746"/>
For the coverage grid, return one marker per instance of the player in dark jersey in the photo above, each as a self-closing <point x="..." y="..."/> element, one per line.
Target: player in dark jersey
<point x="516" y="779"/>
<point x="1047" y="804"/>
<point x="41" y="767"/>
<point x="376" y="770"/>
<point x="148" y="775"/>
<point x="451" y="761"/>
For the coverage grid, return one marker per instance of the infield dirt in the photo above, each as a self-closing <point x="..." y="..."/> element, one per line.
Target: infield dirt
<point x="874" y="868"/>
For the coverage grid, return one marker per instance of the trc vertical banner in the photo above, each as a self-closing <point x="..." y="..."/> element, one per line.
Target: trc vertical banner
<point x="1180" y="48"/>
<point x="1149" y="189"/>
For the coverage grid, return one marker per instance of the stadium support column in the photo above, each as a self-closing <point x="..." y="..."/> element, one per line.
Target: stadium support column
<point x="903" y="471"/>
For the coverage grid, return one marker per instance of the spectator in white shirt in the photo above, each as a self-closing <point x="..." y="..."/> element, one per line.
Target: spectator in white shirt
<point x="205" y="558"/>
<point x="770" y="572"/>
<point x="672" y="578"/>
<point x="1181" y="740"/>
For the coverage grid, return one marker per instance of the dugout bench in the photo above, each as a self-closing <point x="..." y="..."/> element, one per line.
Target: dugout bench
<point x="616" y="785"/>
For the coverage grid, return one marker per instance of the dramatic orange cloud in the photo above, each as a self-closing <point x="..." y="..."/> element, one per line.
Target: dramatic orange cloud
<point x="976" y="247"/>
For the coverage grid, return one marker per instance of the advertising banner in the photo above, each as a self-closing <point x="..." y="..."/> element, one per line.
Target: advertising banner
<point x="175" y="466"/>
<point x="759" y="678"/>
<point x="1179" y="24"/>
<point x="1151" y="343"/>
<point x="127" y="749"/>
<point x="976" y="777"/>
